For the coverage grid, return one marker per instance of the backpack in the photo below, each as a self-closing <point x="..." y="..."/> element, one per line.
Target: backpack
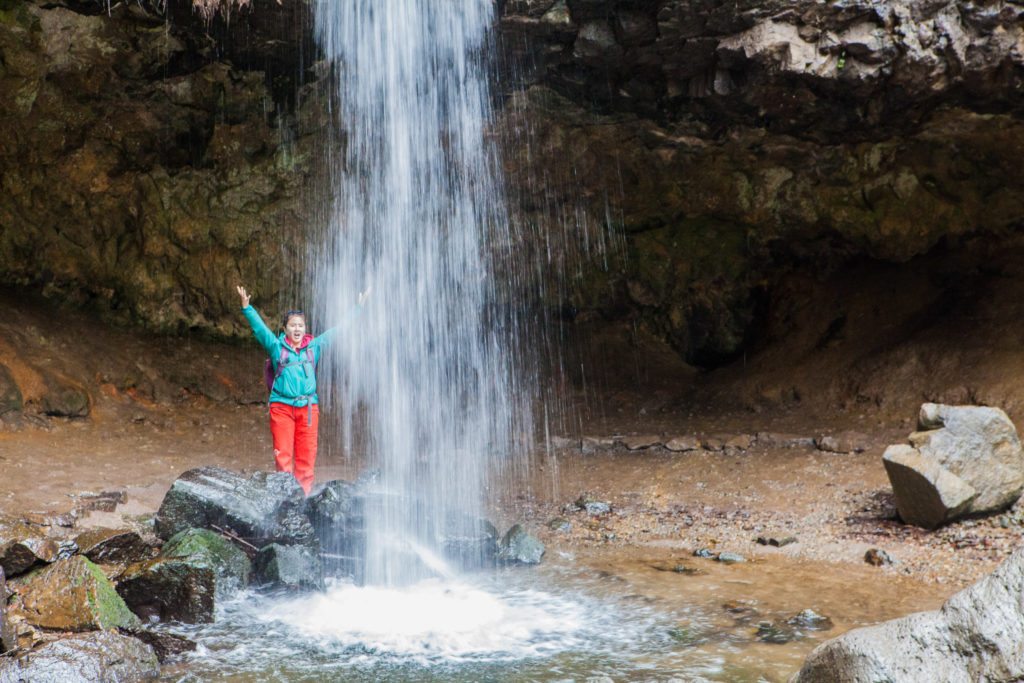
<point x="270" y="375"/>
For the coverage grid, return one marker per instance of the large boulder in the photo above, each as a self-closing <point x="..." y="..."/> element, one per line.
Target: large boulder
<point x="962" y="460"/>
<point x="977" y="444"/>
<point x="927" y="495"/>
<point x="975" y="636"/>
<point x="195" y="569"/>
<point x="337" y="513"/>
<point x="103" y="656"/>
<point x="73" y="595"/>
<point x="289" y="567"/>
<point x="262" y="509"/>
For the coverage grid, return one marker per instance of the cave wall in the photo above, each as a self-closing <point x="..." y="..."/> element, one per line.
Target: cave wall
<point x="150" y="160"/>
<point x="734" y="144"/>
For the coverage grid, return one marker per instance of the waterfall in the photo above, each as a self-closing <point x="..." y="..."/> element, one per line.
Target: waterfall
<point x="426" y="374"/>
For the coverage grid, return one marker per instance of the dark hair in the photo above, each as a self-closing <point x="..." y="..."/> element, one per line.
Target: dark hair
<point x="291" y="314"/>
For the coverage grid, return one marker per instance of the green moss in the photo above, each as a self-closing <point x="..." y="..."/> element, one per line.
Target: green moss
<point x="108" y="607"/>
<point x="204" y="548"/>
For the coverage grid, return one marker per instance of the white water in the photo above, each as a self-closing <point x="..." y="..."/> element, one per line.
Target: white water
<point x="427" y="373"/>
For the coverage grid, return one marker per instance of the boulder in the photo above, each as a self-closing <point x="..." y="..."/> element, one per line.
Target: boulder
<point x="262" y="509"/>
<point x="195" y="569"/>
<point x="73" y="595"/>
<point x="927" y="495"/>
<point x="113" y="546"/>
<point x="975" y="636"/>
<point x="977" y="444"/>
<point x="23" y="546"/>
<point x="288" y="567"/>
<point x="201" y="547"/>
<point x="102" y="656"/>
<point x="170" y="590"/>
<point x="519" y="547"/>
<point x="337" y="515"/>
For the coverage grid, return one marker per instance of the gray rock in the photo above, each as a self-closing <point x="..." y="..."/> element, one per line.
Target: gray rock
<point x="592" y="506"/>
<point x="262" y="509"/>
<point x="975" y="636"/>
<point x="977" y="444"/>
<point x="731" y="558"/>
<point x="845" y="442"/>
<point x="927" y="495"/>
<point x="103" y="656"/>
<point x="682" y="444"/>
<point x="592" y="444"/>
<point x="519" y="547"/>
<point x="809" y="620"/>
<point x="640" y="442"/>
<point x="288" y="567"/>
<point x="781" y="440"/>
<point x="337" y="513"/>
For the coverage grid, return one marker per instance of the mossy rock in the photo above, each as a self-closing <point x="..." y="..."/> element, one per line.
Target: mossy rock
<point x="169" y="590"/>
<point x="202" y="547"/>
<point x="73" y="595"/>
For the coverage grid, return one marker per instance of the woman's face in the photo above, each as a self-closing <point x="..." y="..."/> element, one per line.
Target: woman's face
<point x="295" y="329"/>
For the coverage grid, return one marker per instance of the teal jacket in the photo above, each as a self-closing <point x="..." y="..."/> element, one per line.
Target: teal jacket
<point x="296" y="385"/>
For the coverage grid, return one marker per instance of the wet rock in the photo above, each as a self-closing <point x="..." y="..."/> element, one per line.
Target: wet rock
<point x="731" y="558"/>
<point x="688" y="635"/>
<point x="170" y="590"/>
<point x="561" y="443"/>
<point x="26" y="547"/>
<point x="165" y="645"/>
<point x="262" y="509"/>
<point x="777" y="541"/>
<point x="104" y="501"/>
<point x="776" y="633"/>
<point x="204" y="548"/>
<point x="675" y="568"/>
<point x="288" y="567"/>
<point x="73" y="595"/>
<point x="809" y="620"/>
<point x="103" y="656"/>
<point x="975" y="636"/>
<point x="705" y="553"/>
<point x="927" y="494"/>
<point x="560" y="524"/>
<point x="878" y="557"/>
<point x="977" y="444"/>
<point x="640" y="442"/>
<point x="113" y="546"/>
<point x="682" y="444"/>
<point x="8" y="635"/>
<point x="592" y="444"/>
<point x="591" y="505"/>
<point x="468" y="542"/>
<point x="519" y="547"/>
<point x="337" y="513"/>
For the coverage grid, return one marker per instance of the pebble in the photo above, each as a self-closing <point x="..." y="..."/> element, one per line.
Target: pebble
<point x="706" y="553"/>
<point x="731" y="558"/>
<point x="877" y="557"/>
<point x="776" y="542"/>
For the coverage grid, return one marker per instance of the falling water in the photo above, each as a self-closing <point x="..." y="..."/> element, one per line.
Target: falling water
<point x="426" y="373"/>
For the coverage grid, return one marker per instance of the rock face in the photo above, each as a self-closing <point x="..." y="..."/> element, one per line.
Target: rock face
<point x="73" y="595"/>
<point x="100" y="656"/>
<point x="965" y="460"/>
<point x="975" y="636"/>
<point x="265" y="508"/>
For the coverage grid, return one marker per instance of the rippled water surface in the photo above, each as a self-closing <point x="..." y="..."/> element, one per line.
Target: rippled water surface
<point x="628" y="621"/>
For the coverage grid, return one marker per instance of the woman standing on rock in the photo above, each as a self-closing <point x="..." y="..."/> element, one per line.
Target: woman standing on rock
<point x="291" y="378"/>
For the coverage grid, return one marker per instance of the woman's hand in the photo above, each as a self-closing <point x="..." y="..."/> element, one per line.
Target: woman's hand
<point x="363" y="295"/>
<point x="244" y="296"/>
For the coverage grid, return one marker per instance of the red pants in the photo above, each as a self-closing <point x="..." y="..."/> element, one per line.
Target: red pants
<point x="294" y="433"/>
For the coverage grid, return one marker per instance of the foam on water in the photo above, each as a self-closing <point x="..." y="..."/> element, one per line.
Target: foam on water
<point x="435" y="621"/>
